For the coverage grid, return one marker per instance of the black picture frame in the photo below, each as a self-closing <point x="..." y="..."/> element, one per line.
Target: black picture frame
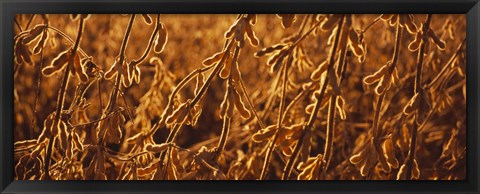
<point x="8" y="8"/>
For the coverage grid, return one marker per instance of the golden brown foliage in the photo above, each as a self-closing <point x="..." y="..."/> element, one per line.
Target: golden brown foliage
<point x="240" y="97"/>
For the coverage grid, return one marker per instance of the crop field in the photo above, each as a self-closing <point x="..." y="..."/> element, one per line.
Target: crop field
<point x="240" y="97"/>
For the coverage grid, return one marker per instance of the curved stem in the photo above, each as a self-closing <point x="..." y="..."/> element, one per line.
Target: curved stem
<point x="391" y="68"/>
<point x="447" y="66"/>
<point x="223" y="137"/>
<point x="113" y="97"/>
<point x="250" y="103"/>
<point x="30" y="21"/>
<point x="66" y="38"/>
<point x="37" y="93"/>
<point x="282" y="100"/>
<point x="17" y="24"/>
<point x="376" y="116"/>
<point x="179" y="86"/>
<point x="371" y="24"/>
<point x="293" y="102"/>
<point x="327" y="152"/>
<point x="331" y="61"/>
<point x="342" y="64"/>
<point x="182" y="83"/>
<point x="61" y="100"/>
<point x="306" y="34"/>
<point x="417" y="88"/>
<point x="280" y="119"/>
<point x="203" y="89"/>
<point x="150" y="43"/>
<point x="271" y="98"/>
<point x="205" y="86"/>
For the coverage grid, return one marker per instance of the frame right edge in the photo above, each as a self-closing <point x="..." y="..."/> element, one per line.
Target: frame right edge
<point x="3" y="183"/>
<point x="473" y="72"/>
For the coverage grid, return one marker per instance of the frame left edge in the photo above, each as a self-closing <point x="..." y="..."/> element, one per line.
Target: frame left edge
<point x="6" y="97"/>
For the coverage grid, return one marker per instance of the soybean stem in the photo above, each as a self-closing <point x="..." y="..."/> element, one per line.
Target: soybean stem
<point x="61" y="99"/>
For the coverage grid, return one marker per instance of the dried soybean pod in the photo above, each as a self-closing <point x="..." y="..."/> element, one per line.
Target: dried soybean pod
<point x="179" y="115"/>
<point x="389" y="152"/>
<point x="231" y="31"/>
<point x="157" y="148"/>
<point x="393" y="20"/>
<point x="415" y="170"/>
<point x="33" y="34"/>
<point x="112" y="71"/>
<point x="290" y="130"/>
<point x="173" y="117"/>
<point x="386" y="17"/>
<point x="20" y="168"/>
<point x="176" y="160"/>
<point x="375" y="77"/>
<point x="354" y="42"/>
<point x="41" y="43"/>
<point x="415" y="44"/>
<point x="74" y="16"/>
<point x="85" y="16"/>
<point x="225" y="72"/>
<point x="137" y="74"/>
<point x="274" y="58"/>
<point x="230" y="103"/>
<point x="251" y="36"/>
<point x="340" y="103"/>
<point x="147" y="19"/>
<point x="361" y="156"/>
<point x="215" y="58"/>
<point x="236" y="77"/>
<point x="264" y="134"/>
<point x="410" y="25"/>
<point x="287" y="150"/>
<point x="287" y="19"/>
<point x="135" y="139"/>
<point x="395" y="78"/>
<point x="402" y="172"/>
<point x="309" y="108"/>
<point x="317" y="74"/>
<point x="277" y="64"/>
<point x="252" y="18"/>
<point x="440" y="43"/>
<point x="161" y="39"/>
<point x="332" y="35"/>
<point x="76" y="140"/>
<point x="63" y="135"/>
<point x="224" y="104"/>
<point x="25" y="143"/>
<point x="269" y="50"/>
<point x="382" y="86"/>
<point x="115" y="131"/>
<point x="240" y="105"/>
<point x="57" y="63"/>
<point x="128" y="175"/>
<point x="147" y="170"/>
<point x="412" y="105"/>
<point x="240" y="30"/>
<point x="331" y="21"/>
<point x="19" y="49"/>
<point x="199" y="83"/>
<point x="368" y="162"/>
<point x="334" y="82"/>
<point x="80" y="69"/>
<point x="37" y="150"/>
